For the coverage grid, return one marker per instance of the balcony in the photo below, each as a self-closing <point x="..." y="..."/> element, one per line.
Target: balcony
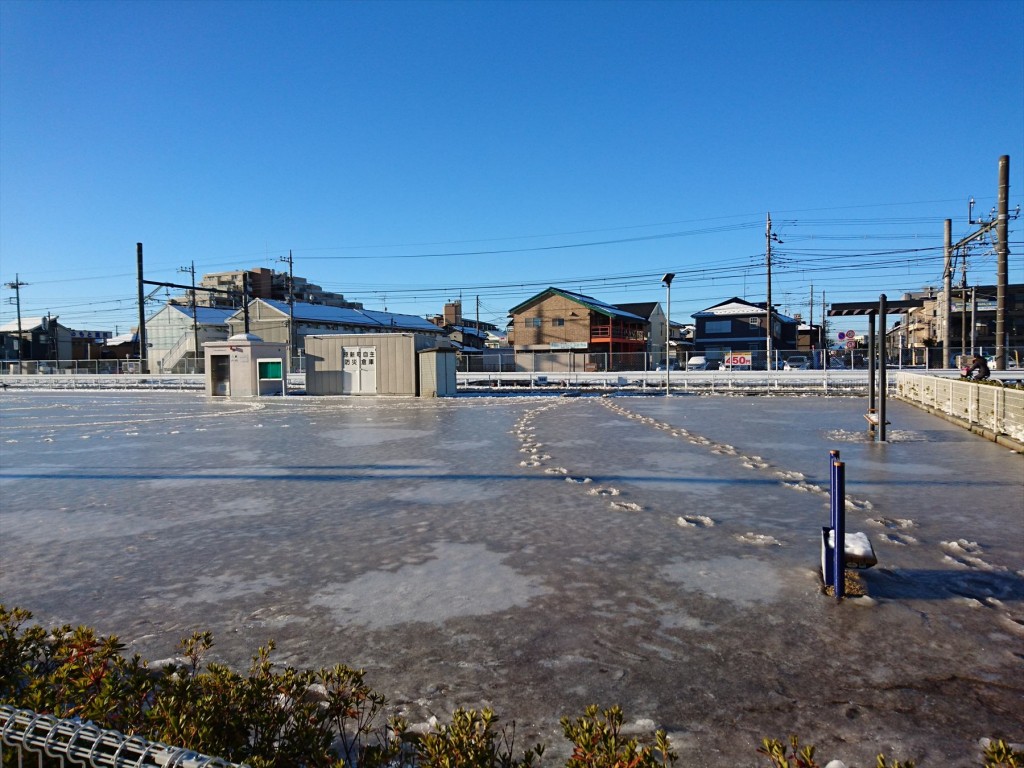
<point x="616" y="333"/>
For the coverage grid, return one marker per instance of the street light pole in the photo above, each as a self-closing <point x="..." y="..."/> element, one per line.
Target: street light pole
<point x="667" y="280"/>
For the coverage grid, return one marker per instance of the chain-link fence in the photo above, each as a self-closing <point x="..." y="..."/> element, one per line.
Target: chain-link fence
<point x="48" y="741"/>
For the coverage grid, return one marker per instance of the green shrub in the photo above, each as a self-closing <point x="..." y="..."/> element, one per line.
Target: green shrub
<point x="472" y="741"/>
<point x="288" y="718"/>
<point x="598" y="743"/>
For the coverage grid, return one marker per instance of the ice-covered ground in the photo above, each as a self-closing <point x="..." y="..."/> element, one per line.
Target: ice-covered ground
<point x="538" y="554"/>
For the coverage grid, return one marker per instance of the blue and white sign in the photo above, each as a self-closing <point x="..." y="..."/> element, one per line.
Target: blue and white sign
<point x="91" y="335"/>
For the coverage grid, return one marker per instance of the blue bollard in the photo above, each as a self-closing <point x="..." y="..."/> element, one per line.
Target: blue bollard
<point x="839" y="529"/>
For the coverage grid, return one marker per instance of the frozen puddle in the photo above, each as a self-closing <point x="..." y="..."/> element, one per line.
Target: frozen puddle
<point x="736" y="579"/>
<point x="458" y="580"/>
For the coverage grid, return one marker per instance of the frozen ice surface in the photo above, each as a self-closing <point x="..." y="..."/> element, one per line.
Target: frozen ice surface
<point x="657" y="553"/>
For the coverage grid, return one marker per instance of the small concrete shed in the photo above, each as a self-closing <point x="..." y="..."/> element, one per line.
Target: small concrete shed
<point x="373" y="364"/>
<point x="245" y="366"/>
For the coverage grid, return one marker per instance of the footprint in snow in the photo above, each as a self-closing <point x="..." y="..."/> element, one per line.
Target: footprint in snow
<point x="694" y="521"/>
<point x="627" y="506"/>
<point x="759" y="539"/>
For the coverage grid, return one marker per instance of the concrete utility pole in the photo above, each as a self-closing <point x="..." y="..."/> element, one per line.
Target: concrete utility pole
<point x="195" y="314"/>
<point x="999" y="225"/>
<point x="810" y="325"/>
<point x="143" y="354"/>
<point x="667" y="280"/>
<point x="768" y="304"/>
<point x="769" y="239"/>
<point x="16" y="286"/>
<point x="947" y="289"/>
<point x="291" y="309"/>
<point x="1002" y="257"/>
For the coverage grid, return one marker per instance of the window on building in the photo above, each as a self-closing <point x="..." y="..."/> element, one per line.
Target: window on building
<point x="754" y="322"/>
<point x="534" y="322"/>
<point x="558" y="322"/>
<point x="718" y="326"/>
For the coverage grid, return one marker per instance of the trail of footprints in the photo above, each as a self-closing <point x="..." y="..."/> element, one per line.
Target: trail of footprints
<point x="794" y="480"/>
<point x="895" y="531"/>
<point x="536" y="458"/>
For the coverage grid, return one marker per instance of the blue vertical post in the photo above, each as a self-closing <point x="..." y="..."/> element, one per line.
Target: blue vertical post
<point x="827" y="557"/>
<point x="839" y="529"/>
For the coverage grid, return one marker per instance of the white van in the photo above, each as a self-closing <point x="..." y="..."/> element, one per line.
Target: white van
<point x="696" y="363"/>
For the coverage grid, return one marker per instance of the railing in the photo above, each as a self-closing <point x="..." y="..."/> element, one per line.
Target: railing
<point x="68" y="367"/>
<point x="182" y="347"/>
<point x="52" y="740"/>
<point x="994" y="408"/>
<point x="185" y="364"/>
<point x="618" y="332"/>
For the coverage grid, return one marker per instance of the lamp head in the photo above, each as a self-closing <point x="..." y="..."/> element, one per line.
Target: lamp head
<point x="667" y="279"/>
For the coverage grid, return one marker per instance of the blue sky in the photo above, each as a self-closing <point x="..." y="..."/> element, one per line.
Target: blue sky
<point x="408" y="153"/>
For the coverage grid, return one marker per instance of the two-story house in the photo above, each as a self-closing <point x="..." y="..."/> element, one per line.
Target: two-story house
<point x="556" y="320"/>
<point x="737" y="325"/>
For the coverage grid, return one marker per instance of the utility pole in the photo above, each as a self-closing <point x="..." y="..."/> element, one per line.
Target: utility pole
<point x="998" y="224"/>
<point x="195" y="317"/>
<point x="291" y="309"/>
<point x="1002" y="257"/>
<point x="16" y="286"/>
<point x="143" y="363"/>
<point x="769" y="238"/>
<point x="947" y="288"/>
<point x="810" y="325"/>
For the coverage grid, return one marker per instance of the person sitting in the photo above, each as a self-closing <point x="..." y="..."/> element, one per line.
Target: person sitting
<point x="978" y="369"/>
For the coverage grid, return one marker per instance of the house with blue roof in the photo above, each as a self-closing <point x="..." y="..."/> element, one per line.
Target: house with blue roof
<point x="737" y="325"/>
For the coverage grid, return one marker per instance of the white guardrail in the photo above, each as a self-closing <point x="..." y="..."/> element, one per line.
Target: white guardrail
<point x="25" y="733"/>
<point x="990" y="408"/>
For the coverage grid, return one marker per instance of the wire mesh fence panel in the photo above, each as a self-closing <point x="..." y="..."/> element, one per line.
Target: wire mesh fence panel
<point x="28" y="738"/>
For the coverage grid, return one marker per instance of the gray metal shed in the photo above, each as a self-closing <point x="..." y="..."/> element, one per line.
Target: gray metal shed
<point x="365" y="363"/>
<point x="437" y="372"/>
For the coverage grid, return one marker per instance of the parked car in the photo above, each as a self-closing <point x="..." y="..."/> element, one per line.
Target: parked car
<point x="673" y="365"/>
<point x="797" y="363"/>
